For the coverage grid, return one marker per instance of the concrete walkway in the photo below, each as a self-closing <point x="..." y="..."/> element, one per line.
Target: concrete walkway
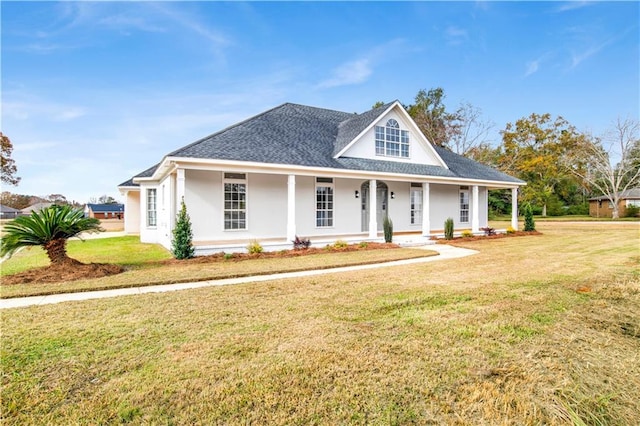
<point x="445" y="252"/>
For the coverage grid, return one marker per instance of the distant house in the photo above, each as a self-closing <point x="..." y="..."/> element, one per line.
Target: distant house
<point x="7" y="212"/>
<point x="602" y="207"/>
<point x="34" y="208"/>
<point x="105" y="211"/>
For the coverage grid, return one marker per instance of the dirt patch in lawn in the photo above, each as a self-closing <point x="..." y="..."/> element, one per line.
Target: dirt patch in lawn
<point x="68" y="271"/>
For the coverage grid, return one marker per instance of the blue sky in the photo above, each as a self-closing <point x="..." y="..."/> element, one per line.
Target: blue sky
<point x="93" y="93"/>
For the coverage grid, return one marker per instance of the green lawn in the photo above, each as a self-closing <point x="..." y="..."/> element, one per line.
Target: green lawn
<point x="532" y="330"/>
<point x="144" y="267"/>
<point x="126" y="251"/>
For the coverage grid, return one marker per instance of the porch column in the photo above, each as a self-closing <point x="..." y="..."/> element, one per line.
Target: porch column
<point x="514" y="208"/>
<point x="291" y="207"/>
<point x="475" y="210"/>
<point x="177" y="204"/>
<point x="373" y="209"/>
<point x="426" y="217"/>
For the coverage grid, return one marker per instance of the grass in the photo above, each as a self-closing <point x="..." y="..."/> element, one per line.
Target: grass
<point x="126" y="251"/>
<point x="501" y="337"/>
<point x="569" y="218"/>
<point x="144" y="269"/>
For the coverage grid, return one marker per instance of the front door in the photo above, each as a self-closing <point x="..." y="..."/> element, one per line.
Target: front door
<point x="382" y="202"/>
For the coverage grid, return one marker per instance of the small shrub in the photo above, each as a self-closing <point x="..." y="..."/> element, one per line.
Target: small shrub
<point x="181" y="244"/>
<point x="387" y="226"/>
<point x="448" y="229"/>
<point x="340" y="244"/>
<point x="510" y="230"/>
<point x="489" y="231"/>
<point x="467" y="234"/>
<point x="363" y="244"/>
<point x="254" y="247"/>
<point x="632" y="211"/>
<point x="227" y="256"/>
<point x="301" y="243"/>
<point x="529" y="223"/>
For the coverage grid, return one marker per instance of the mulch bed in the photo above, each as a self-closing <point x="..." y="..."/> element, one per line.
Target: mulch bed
<point x="74" y="270"/>
<point x="69" y="271"/>
<point x="238" y="257"/>
<point x="486" y="237"/>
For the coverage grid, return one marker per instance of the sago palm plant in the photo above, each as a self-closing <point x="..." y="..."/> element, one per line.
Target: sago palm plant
<point x="50" y="228"/>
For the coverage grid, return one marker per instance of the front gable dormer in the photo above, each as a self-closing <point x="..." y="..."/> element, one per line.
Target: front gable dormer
<point x="389" y="135"/>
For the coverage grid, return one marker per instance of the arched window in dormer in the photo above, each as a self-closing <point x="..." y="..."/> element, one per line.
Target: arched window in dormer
<point x="391" y="141"/>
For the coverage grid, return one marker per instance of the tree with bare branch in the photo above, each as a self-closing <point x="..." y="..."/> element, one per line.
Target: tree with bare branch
<point x="612" y="161"/>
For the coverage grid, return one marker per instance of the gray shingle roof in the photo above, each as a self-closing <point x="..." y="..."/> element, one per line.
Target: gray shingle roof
<point x="100" y="208"/>
<point x="300" y="135"/>
<point x="349" y="129"/>
<point x="631" y="193"/>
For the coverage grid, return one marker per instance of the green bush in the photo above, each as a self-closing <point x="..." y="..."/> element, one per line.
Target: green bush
<point x="632" y="211"/>
<point x="181" y="244"/>
<point x="363" y="244"/>
<point x="387" y="225"/>
<point x="448" y="229"/>
<point x="529" y="223"/>
<point x="581" y="209"/>
<point x="254" y="247"/>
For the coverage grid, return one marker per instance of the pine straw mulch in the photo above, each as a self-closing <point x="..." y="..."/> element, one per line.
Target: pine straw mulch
<point x="282" y="254"/>
<point x="461" y="239"/>
<point x="67" y="271"/>
<point x="74" y="270"/>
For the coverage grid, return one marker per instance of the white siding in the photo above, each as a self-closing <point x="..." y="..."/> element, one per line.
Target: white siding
<point x="132" y="212"/>
<point x="418" y="152"/>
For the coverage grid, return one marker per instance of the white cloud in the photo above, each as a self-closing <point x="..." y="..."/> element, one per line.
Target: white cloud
<point x="353" y="72"/>
<point x="456" y="35"/>
<point x="573" y="5"/>
<point x="532" y="68"/>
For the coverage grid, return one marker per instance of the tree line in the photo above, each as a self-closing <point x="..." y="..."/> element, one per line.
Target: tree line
<point x="563" y="167"/>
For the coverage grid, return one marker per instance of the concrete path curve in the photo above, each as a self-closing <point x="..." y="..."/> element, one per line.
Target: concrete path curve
<point x="445" y="252"/>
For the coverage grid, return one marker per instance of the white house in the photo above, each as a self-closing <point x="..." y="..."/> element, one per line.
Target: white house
<point x="312" y="172"/>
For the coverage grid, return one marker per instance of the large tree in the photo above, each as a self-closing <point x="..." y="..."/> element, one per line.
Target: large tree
<point x="431" y="116"/>
<point x="459" y="130"/>
<point x="612" y="162"/>
<point x="50" y="228"/>
<point x="533" y="150"/>
<point x="468" y="130"/>
<point x="7" y="164"/>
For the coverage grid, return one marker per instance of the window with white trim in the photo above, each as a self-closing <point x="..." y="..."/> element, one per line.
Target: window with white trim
<point x="633" y="203"/>
<point x="391" y="141"/>
<point x="152" y="215"/>
<point x="235" y="201"/>
<point x="464" y="204"/>
<point x="415" y="198"/>
<point x="324" y="202"/>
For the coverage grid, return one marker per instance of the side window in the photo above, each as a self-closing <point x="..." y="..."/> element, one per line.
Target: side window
<point x="415" y="198"/>
<point x="324" y="202"/>
<point x="235" y="201"/>
<point x="151" y="207"/>
<point x="464" y="204"/>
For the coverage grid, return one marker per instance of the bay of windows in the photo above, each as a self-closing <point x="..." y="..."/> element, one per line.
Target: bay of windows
<point x="391" y="141"/>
